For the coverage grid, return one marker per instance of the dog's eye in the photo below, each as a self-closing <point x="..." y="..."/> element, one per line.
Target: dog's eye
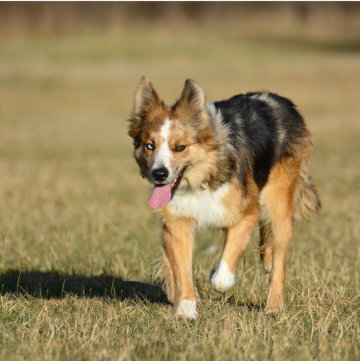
<point x="180" y="148"/>
<point x="149" y="146"/>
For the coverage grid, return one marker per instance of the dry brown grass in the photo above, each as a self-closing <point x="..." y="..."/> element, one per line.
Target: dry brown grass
<point x="73" y="206"/>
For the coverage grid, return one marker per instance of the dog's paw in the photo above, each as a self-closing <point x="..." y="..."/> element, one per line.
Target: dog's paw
<point x="186" y="310"/>
<point x="271" y="310"/>
<point x="222" y="279"/>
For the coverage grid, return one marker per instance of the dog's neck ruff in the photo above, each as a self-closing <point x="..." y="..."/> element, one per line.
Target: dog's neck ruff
<point x="205" y="206"/>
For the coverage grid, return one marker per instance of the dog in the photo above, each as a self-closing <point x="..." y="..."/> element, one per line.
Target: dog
<point x="228" y="165"/>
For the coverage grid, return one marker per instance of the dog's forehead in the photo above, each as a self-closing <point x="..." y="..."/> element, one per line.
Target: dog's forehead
<point x="174" y="130"/>
<point x="153" y="120"/>
<point x="180" y="128"/>
<point x="168" y="129"/>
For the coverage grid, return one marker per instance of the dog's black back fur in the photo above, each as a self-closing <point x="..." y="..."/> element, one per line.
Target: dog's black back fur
<point x="263" y="130"/>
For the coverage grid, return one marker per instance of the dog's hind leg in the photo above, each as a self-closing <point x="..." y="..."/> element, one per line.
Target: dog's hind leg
<point x="237" y="238"/>
<point x="178" y="247"/>
<point x="278" y="196"/>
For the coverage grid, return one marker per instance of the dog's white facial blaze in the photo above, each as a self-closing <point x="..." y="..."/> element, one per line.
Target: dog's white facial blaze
<point x="186" y="309"/>
<point x="164" y="155"/>
<point x="222" y="279"/>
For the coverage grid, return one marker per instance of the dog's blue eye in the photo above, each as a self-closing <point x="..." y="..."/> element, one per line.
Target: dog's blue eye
<point x="150" y="146"/>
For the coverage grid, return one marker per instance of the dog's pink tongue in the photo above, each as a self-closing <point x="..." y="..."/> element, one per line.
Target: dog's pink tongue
<point x="160" y="196"/>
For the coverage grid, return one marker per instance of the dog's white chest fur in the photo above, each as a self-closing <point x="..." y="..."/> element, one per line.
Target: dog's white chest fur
<point x="203" y="205"/>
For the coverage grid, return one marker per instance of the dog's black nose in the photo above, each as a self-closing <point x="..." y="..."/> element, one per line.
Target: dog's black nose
<point x="160" y="174"/>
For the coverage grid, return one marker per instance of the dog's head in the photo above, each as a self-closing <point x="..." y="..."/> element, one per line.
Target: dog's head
<point x="174" y="146"/>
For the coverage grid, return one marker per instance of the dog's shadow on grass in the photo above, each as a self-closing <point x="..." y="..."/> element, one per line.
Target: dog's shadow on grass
<point x="53" y="285"/>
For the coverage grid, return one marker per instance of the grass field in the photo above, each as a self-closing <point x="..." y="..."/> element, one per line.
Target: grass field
<point x="79" y="245"/>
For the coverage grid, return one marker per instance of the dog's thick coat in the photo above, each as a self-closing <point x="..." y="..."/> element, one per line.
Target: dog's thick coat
<point x="229" y="165"/>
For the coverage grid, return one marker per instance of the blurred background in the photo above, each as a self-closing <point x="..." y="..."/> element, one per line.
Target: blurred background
<point x="71" y="197"/>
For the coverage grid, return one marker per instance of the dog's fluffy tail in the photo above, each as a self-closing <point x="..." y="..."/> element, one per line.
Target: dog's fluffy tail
<point x="307" y="199"/>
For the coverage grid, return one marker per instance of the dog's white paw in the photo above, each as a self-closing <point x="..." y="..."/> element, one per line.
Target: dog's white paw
<point x="222" y="279"/>
<point x="186" y="309"/>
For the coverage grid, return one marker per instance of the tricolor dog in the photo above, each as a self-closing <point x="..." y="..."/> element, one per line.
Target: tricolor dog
<point x="227" y="165"/>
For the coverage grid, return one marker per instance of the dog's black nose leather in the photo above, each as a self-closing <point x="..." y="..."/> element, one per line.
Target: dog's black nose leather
<point x="160" y="174"/>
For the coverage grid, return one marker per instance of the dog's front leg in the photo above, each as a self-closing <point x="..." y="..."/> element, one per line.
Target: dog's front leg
<point x="178" y="247"/>
<point x="237" y="238"/>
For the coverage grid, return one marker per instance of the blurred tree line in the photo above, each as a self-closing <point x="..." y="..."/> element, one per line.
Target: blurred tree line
<point x="71" y="17"/>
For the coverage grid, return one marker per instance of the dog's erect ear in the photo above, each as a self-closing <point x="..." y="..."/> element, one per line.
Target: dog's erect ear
<point x="145" y="96"/>
<point x="193" y="97"/>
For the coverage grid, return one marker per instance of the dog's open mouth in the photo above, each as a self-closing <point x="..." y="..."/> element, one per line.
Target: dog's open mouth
<point x="163" y="193"/>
